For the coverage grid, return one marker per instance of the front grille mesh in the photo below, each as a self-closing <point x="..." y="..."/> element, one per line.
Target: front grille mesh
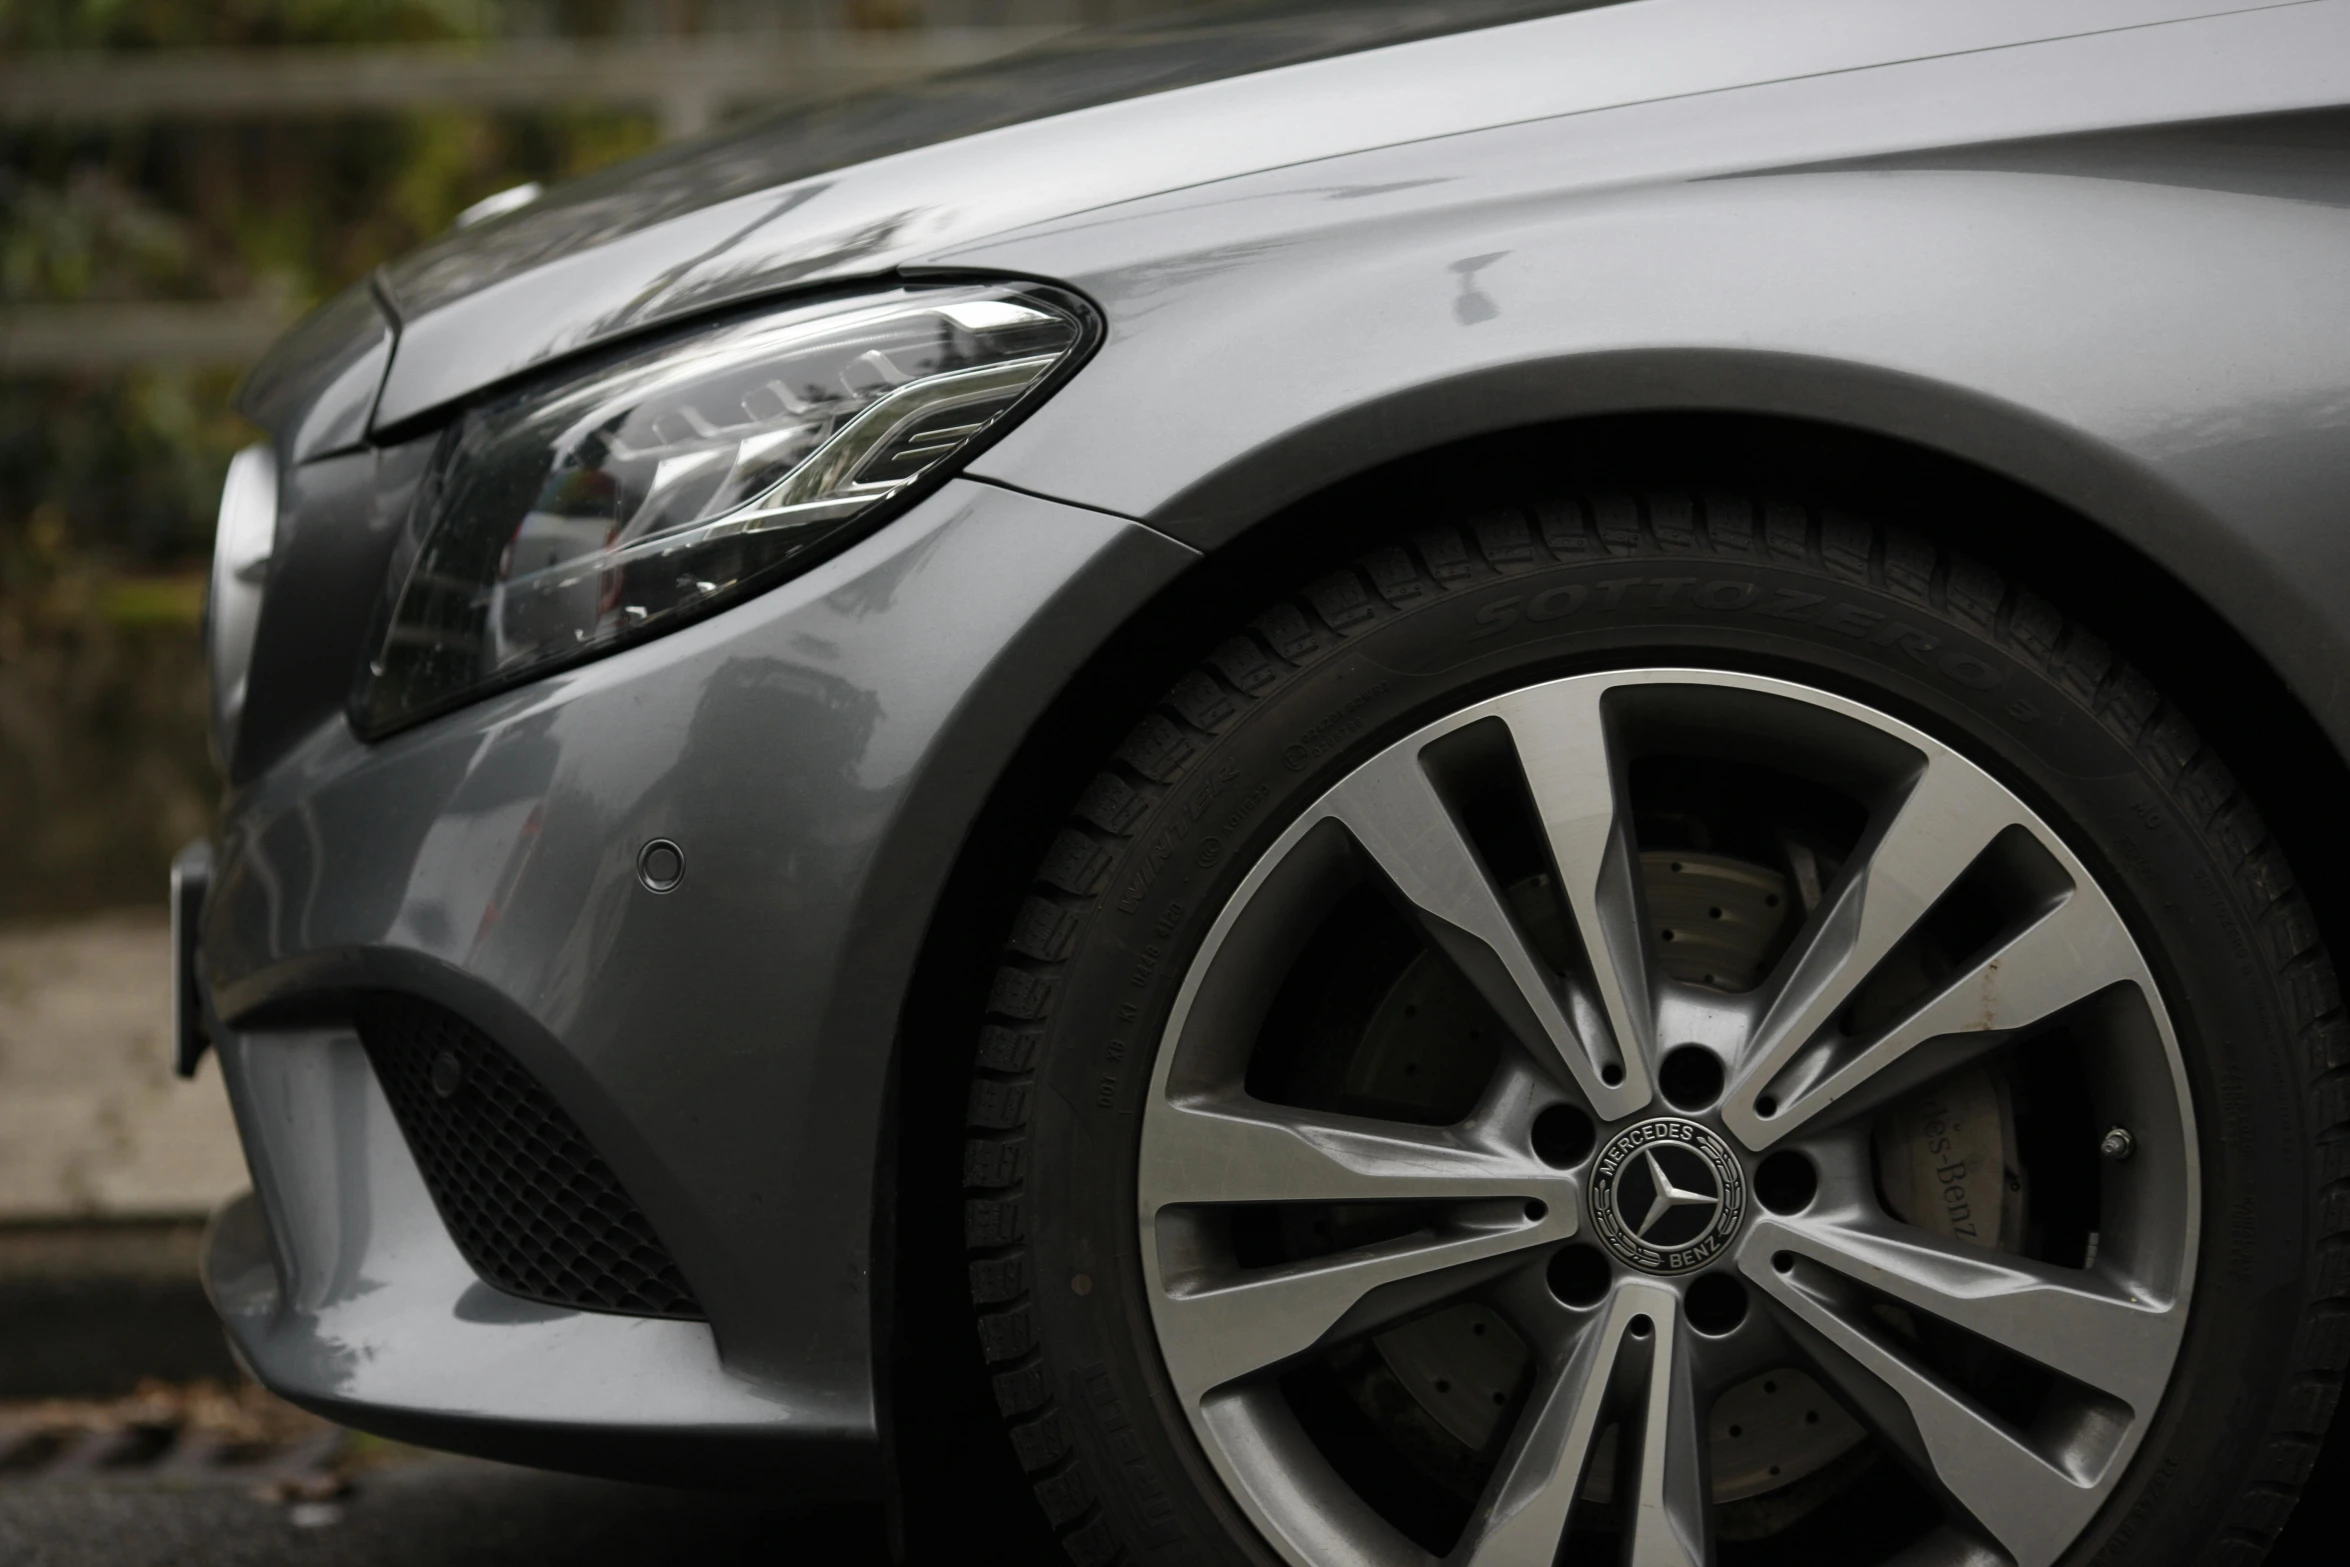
<point x="532" y="1205"/>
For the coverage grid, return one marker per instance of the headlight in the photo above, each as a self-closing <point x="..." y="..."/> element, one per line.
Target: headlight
<point x="564" y="520"/>
<point x="241" y="546"/>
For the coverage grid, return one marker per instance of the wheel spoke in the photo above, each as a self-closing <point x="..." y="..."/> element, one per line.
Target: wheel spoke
<point x="1394" y="812"/>
<point x="1562" y="743"/>
<point x="1523" y="1515"/>
<point x="2031" y="1503"/>
<point x="2114" y="1338"/>
<point x="2071" y="952"/>
<point x="1945" y="821"/>
<point x="1217" y="1329"/>
<point x="1673" y="1506"/>
<point x="1228" y="1151"/>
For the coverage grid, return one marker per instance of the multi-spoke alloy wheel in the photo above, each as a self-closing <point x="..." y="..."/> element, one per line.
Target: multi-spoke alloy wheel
<point x="1669" y="1032"/>
<point x="1870" y="1012"/>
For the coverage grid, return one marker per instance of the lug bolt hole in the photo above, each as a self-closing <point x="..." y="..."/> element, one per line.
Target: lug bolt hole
<point x="1579" y="1275"/>
<point x="1786" y="1182"/>
<point x="1563" y="1136"/>
<point x="1536" y="1210"/>
<point x="1612" y="1073"/>
<point x="1641" y="1327"/>
<point x="1691" y="1077"/>
<point x="1717" y="1303"/>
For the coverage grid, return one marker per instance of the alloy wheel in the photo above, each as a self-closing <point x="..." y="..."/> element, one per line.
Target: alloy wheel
<point x="1761" y="1097"/>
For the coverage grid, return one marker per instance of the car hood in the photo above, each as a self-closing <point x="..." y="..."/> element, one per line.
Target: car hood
<point x="895" y="181"/>
<point x="1079" y="70"/>
<point x="779" y="201"/>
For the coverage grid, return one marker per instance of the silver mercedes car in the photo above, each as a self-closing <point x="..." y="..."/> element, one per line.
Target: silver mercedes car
<point x="1351" y="785"/>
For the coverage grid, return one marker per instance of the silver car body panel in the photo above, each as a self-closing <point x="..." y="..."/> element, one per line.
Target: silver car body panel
<point x="912" y="206"/>
<point x="724" y="1046"/>
<point x="2080" y="245"/>
<point x="2125" y="333"/>
<point x="340" y="1284"/>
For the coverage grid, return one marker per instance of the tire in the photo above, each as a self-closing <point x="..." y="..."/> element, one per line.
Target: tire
<point x="1326" y="678"/>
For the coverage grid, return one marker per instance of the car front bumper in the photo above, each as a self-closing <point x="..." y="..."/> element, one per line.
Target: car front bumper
<point x="820" y="753"/>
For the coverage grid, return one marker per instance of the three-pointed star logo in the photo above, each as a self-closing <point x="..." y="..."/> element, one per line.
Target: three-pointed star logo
<point x="1668" y="1196"/>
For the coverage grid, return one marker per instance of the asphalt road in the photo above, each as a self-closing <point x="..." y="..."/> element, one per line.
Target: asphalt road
<point x="439" y="1512"/>
<point x="455" y="1512"/>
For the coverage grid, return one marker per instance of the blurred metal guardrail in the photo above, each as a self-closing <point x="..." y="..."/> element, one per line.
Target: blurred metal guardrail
<point x="688" y="81"/>
<point x="42" y="339"/>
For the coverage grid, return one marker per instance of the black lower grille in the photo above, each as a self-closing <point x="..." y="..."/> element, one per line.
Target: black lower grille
<point x="532" y="1205"/>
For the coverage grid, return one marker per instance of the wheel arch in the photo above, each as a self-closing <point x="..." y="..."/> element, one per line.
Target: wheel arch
<point x="2031" y="499"/>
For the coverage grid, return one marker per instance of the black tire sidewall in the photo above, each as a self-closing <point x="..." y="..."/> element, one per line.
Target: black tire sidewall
<point x="1972" y="685"/>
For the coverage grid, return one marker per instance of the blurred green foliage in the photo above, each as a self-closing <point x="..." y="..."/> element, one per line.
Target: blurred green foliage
<point x="151" y="24"/>
<point x="108" y="480"/>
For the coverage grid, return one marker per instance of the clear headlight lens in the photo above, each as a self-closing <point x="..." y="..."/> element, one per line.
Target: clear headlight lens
<point x="562" y="521"/>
